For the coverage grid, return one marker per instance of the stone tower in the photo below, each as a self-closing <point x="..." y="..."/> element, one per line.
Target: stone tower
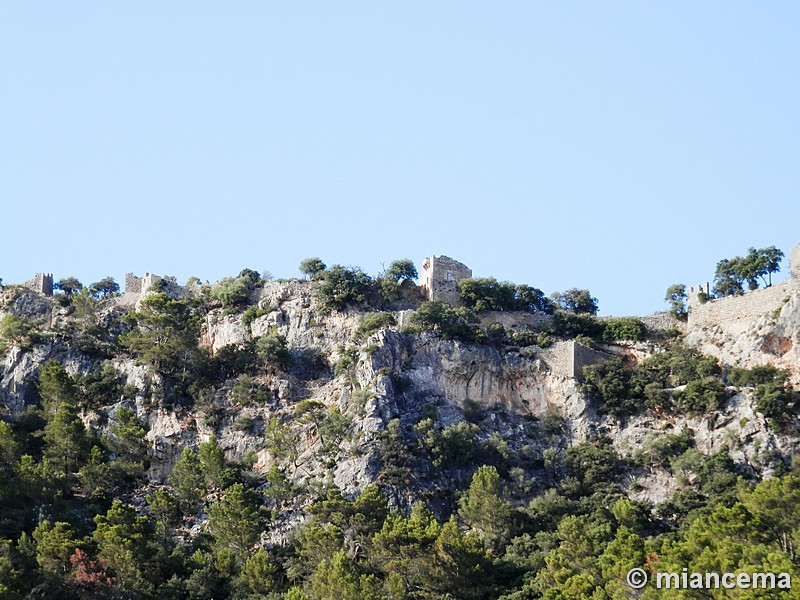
<point x="794" y="262"/>
<point x="440" y="276"/>
<point x="42" y="283"/>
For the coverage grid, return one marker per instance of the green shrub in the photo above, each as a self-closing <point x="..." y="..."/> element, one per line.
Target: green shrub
<point x="372" y="322"/>
<point x="339" y="287"/>
<point x="232" y="291"/>
<point x="679" y="365"/>
<point x="251" y="313"/>
<point x="496" y="333"/>
<point x="449" y="322"/>
<point x="524" y="338"/>
<point x="553" y="423"/>
<point x="271" y="349"/>
<point x="576" y="301"/>
<point x="656" y="397"/>
<point x="613" y="384"/>
<point x="593" y="462"/>
<point x="243" y="423"/>
<point x="346" y="361"/>
<point x="246" y="392"/>
<point x="776" y="403"/>
<point x="312" y="267"/>
<point x="663" y="449"/>
<point x="701" y="396"/>
<point x="486" y="293"/>
<point x="625" y="328"/>
<point x="472" y="410"/>
<point x="567" y="324"/>
<point x="757" y="376"/>
<point x="16" y="331"/>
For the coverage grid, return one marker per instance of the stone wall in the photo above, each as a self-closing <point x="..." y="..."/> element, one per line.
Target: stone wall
<point x="656" y="322"/>
<point x="141" y="285"/>
<point x="440" y="276"/>
<point x="737" y="313"/>
<point x="567" y="358"/>
<point x="133" y="284"/>
<point x="42" y="283"/>
<point x="514" y="320"/>
<point x="583" y="356"/>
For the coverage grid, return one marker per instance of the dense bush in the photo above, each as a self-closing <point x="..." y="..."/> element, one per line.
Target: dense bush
<point x="576" y="300"/>
<point x="701" y="396"/>
<point x="251" y="313"/>
<point x="776" y="403"/>
<point x="339" y="287"/>
<point x="568" y="324"/>
<point x="625" y="328"/>
<point x="593" y="462"/>
<point x="449" y="322"/>
<point x="232" y="291"/>
<point x="623" y="390"/>
<point x="756" y="376"/>
<point x="372" y="322"/>
<point x="481" y="294"/>
<point x="615" y="385"/>
<point x="271" y="349"/>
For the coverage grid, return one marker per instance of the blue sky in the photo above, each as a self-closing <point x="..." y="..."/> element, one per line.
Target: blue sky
<point x="614" y="146"/>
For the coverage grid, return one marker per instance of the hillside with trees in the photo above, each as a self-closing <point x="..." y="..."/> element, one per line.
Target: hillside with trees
<point x="340" y="436"/>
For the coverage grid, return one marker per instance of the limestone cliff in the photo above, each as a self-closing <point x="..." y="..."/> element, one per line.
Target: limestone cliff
<point x="392" y="374"/>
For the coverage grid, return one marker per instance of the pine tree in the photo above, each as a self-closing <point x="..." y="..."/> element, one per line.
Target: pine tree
<point x="235" y="520"/>
<point x="484" y="510"/>
<point x="188" y="481"/>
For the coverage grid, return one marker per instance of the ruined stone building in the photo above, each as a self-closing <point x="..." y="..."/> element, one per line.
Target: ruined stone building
<point x="440" y="276"/>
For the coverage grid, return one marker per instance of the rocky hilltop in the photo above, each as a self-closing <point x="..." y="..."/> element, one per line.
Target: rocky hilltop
<point x="395" y="393"/>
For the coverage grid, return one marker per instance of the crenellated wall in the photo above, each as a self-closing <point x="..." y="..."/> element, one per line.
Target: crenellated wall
<point x="42" y="283"/>
<point x="735" y="314"/>
<point x="738" y="311"/>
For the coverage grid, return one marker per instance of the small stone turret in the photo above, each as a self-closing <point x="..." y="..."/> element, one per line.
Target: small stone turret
<point x="440" y="276"/>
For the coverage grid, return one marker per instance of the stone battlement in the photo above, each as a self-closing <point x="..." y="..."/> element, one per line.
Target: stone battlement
<point x="736" y="314"/>
<point x="139" y="285"/>
<point x="42" y="283"/>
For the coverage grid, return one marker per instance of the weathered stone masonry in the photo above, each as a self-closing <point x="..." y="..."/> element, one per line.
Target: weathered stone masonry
<point x="737" y="313"/>
<point x="440" y="277"/>
<point x="42" y="283"/>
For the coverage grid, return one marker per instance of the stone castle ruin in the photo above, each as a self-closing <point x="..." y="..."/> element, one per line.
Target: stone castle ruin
<point x="440" y="276"/>
<point x="736" y="314"/>
<point x="140" y="285"/>
<point x="42" y="283"/>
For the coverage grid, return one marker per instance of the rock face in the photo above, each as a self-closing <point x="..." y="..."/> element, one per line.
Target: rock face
<point x="395" y="375"/>
<point x="772" y="337"/>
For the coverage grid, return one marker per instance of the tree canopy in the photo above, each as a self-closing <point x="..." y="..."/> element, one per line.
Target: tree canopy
<point x="753" y="269"/>
<point x="577" y="301"/>
<point x="104" y="288"/>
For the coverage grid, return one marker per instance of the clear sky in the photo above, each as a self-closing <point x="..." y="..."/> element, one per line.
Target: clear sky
<point x="614" y="146"/>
